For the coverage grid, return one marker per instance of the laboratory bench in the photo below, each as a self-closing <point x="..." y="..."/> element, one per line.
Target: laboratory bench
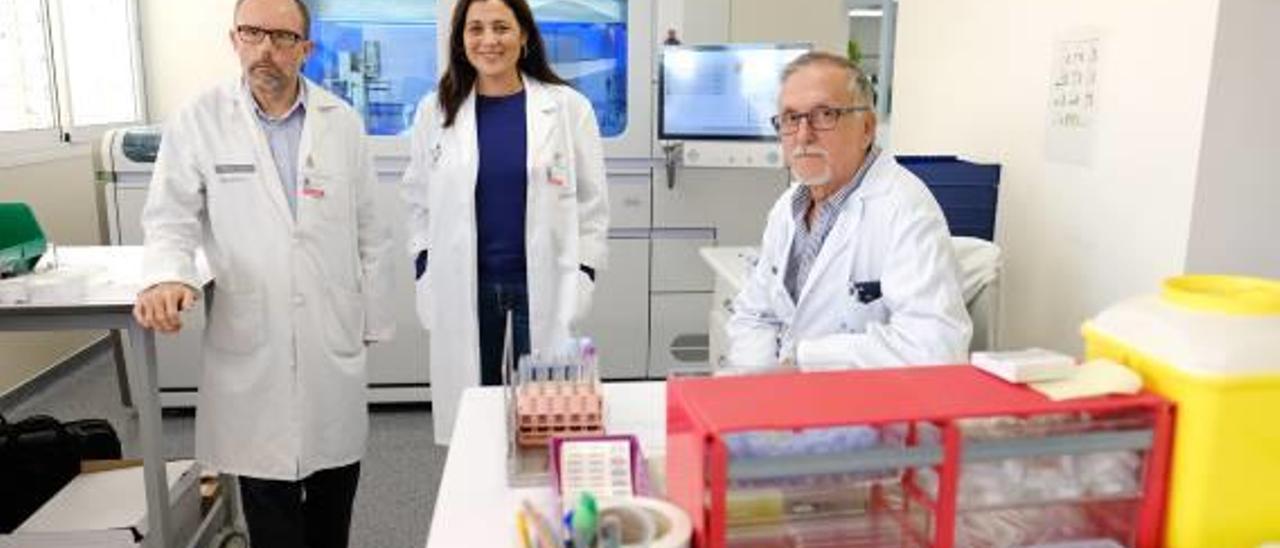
<point x="476" y="507"/>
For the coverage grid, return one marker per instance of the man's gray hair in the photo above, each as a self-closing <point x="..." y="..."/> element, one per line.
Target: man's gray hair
<point x="858" y="84"/>
<point x="302" y="8"/>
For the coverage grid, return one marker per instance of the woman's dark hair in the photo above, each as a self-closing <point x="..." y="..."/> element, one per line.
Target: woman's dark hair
<point x="460" y="76"/>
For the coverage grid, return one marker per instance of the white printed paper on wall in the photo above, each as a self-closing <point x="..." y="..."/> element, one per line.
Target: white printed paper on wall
<point x="1073" y="98"/>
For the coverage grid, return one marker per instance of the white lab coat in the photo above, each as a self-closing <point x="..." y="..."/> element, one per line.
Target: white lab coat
<point x="890" y="231"/>
<point x="283" y="389"/>
<point x="565" y="226"/>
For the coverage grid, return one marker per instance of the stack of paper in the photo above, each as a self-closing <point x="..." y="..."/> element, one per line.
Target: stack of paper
<point x="1022" y="366"/>
<point x="1093" y="378"/>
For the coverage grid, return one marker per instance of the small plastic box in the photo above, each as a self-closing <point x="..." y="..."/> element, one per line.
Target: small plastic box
<point x="1023" y="366"/>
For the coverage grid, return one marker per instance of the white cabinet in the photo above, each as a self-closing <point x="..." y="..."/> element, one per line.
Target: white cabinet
<point x="619" y="318"/>
<point x="678" y="340"/>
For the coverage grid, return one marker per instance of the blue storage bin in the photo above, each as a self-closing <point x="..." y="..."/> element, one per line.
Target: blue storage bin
<point x="966" y="191"/>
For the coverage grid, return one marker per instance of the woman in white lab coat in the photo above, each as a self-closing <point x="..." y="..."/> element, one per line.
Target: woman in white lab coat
<point x="506" y="197"/>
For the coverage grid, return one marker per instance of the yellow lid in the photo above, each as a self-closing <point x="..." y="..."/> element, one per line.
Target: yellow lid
<point x="1227" y="294"/>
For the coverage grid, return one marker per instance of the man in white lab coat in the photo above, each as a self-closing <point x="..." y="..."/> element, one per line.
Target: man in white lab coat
<point x="270" y="175"/>
<point x="856" y="267"/>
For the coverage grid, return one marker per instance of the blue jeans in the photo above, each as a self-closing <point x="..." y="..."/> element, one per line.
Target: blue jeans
<point x="492" y="303"/>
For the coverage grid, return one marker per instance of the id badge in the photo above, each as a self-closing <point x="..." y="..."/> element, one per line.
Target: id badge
<point x="311" y="188"/>
<point x="234" y="169"/>
<point x="558" y="172"/>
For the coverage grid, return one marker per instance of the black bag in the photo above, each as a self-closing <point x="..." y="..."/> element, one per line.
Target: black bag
<point x="39" y="455"/>
<point x="97" y="439"/>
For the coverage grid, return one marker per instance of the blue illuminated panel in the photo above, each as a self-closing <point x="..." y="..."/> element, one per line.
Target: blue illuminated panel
<point x="587" y="43"/>
<point x="380" y="55"/>
<point x="593" y="57"/>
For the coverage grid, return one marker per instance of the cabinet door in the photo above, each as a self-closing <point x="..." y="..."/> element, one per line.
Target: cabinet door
<point x="677" y="266"/>
<point x="402" y="361"/>
<point x="619" y="318"/>
<point x="717" y="321"/>
<point x="678" y="333"/>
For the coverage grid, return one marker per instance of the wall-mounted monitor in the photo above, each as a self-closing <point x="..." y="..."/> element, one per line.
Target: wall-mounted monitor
<point x="721" y="92"/>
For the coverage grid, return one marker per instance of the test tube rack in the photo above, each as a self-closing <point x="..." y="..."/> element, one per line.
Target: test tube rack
<point x="546" y="409"/>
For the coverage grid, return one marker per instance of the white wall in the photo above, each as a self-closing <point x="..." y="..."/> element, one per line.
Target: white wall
<point x="185" y="49"/>
<point x="821" y="22"/>
<point x="703" y="21"/>
<point x="972" y="78"/>
<point x="1236" y="220"/>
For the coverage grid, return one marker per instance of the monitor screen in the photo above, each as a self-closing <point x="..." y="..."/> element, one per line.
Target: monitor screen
<point x="722" y="91"/>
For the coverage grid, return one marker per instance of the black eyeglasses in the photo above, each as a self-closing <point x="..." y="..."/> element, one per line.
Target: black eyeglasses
<point x="280" y="38"/>
<point x="820" y="118"/>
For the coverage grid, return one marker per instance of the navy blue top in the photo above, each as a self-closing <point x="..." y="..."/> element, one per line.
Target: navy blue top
<point x="500" y="187"/>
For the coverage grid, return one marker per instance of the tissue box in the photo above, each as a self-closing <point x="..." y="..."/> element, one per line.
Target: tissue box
<point x="1030" y="365"/>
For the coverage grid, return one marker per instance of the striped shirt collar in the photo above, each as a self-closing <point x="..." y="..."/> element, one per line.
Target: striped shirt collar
<point x="299" y="103"/>
<point x="802" y="197"/>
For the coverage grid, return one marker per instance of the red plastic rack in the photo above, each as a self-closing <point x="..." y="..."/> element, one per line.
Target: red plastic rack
<point x="702" y="411"/>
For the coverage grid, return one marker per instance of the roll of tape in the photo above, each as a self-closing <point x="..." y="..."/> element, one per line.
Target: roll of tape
<point x="670" y="525"/>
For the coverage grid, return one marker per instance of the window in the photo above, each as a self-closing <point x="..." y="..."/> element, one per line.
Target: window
<point x="100" y="70"/>
<point x="66" y="66"/>
<point x="26" y="87"/>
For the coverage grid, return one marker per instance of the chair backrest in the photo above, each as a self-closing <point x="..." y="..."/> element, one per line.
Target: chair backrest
<point x="980" y="264"/>
<point x="966" y="191"/>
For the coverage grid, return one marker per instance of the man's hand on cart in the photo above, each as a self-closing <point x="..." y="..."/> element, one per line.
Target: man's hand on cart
<point x="160" y="306"/>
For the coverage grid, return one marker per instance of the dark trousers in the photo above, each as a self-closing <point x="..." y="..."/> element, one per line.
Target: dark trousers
<point x="492" y="303"/>
<point x="312" y="513"/>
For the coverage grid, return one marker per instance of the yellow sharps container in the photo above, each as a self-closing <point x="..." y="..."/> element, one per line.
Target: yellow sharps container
<point x="1211" y="344"/>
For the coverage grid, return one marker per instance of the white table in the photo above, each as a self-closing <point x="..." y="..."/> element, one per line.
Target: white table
<point x="731" y="265"/>
<point x="108" y="304"/>
<point x="475" y="507"/>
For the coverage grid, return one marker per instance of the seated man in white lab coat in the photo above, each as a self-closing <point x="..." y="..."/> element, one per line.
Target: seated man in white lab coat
<point x="270" y="175"/>
<point x="856" y="268"/>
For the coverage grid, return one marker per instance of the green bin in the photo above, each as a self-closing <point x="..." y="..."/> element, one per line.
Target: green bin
<point x="21" y="240"/>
